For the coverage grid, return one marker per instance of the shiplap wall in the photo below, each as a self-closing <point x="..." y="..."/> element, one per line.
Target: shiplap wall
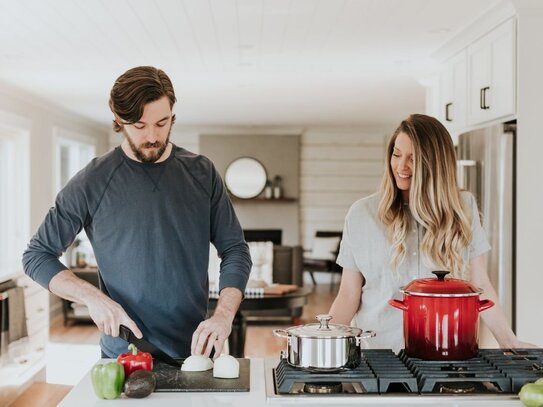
<point x="338" y="167"/>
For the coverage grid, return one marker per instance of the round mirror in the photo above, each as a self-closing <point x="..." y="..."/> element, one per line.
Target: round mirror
<point x="246" y="177"/>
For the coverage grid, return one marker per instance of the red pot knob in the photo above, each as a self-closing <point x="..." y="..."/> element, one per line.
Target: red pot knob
<point x="440" y="274"/>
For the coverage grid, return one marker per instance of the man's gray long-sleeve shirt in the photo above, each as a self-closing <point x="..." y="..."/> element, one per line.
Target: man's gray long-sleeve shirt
<point x="150" y="225"/>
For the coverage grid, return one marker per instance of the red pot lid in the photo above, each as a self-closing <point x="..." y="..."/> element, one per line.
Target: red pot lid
<point x="441" y="287"/>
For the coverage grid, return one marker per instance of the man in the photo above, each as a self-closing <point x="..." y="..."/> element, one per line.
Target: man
<point x="150" y="209"/>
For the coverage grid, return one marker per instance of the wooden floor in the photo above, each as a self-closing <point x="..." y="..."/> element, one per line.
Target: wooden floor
<point x="260" y="342"/>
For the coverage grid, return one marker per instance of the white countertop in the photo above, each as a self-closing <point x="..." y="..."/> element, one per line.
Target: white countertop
<point x="83" y="395"/>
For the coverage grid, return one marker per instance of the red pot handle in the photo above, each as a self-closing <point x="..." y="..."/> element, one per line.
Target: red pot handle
<point x="398" y="304"/>
<point x="485" y="304"/>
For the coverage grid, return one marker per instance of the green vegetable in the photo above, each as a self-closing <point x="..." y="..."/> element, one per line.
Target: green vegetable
<point x="107" y="380"/>
<point x="539" y="381"/>
<point x="140" y="384"/>
<point x="531" y="394"/>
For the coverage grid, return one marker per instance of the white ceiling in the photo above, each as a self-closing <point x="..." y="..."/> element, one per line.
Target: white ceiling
<point x="235" y="62"/>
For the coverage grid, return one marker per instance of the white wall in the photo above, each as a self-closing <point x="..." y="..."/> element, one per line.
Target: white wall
<point x="529" y="184"/>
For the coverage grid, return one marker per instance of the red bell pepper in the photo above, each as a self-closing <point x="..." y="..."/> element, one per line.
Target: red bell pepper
<point x="135" y="360"/>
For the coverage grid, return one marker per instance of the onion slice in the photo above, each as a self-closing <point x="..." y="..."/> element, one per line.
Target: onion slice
<point x="226" y="367"/>
<point x="197" y="363"/>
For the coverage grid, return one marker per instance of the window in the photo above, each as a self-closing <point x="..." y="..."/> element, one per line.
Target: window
<point x="72" y="155"/>
<point x="14" y="193"/>
<point x="73" y="152"/>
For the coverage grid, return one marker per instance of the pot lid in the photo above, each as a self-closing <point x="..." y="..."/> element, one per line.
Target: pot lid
<point x="441" y="287"/>
<point x="324" y="329"/>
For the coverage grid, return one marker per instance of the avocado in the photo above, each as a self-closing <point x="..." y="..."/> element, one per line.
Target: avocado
<point x="140" y="384"/>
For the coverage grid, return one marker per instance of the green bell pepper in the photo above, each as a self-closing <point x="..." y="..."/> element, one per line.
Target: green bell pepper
<point x="107" y="380"/>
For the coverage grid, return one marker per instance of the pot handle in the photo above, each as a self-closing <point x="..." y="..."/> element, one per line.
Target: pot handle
<point x="485" y="304"/>
<point x="364" y="335"/>
<point x="398" y="304"/>
<point x="281" y="333"/>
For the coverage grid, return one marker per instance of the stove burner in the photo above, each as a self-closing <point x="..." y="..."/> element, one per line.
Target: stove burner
<point x="323" y="388"/>
<point x="457" y="388"/>
<point x="492" y="371"/>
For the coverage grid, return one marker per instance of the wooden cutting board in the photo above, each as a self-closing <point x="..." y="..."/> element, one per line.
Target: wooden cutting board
<point x="172" y="379"/>
<point x="280" y="289"/>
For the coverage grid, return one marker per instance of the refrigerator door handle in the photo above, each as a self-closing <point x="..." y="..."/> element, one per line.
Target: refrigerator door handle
<point x="461" y="166"/>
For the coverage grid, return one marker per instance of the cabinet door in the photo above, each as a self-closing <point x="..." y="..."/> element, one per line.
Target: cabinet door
<point x="491" y="75"/>
<point x="453" y="85"/>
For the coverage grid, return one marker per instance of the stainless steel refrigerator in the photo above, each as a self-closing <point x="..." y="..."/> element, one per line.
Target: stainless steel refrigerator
<point x="486" y="167"/>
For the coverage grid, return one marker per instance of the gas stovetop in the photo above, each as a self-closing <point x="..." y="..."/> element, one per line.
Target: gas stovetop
<point x="493" y="373"/>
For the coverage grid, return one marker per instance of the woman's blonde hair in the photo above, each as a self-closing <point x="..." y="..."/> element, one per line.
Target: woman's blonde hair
<point x="434" y="197"/>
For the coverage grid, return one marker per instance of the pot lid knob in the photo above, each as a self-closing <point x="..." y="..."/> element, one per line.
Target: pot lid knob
<point x="324" y="319"/>
<point x="440" y="274"/>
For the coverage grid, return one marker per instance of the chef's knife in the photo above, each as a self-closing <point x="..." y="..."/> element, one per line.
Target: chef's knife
<point x="146" y="346"/>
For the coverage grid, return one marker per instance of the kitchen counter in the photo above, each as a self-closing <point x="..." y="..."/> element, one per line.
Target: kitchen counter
<point x="82" y="395"/>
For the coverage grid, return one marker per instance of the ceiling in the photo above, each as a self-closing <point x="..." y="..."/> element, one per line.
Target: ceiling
<point x="235" y="62"/>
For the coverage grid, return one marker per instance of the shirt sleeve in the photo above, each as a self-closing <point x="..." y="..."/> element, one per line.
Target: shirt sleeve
<point x="56" y="233"/>
<point x="479" y="242"/>
<point x="227" y="237"/>
<point x="346" y="257"/>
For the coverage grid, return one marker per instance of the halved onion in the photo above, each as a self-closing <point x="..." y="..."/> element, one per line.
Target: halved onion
<point x="197" y="363"/>
<point x="226" y="367"/>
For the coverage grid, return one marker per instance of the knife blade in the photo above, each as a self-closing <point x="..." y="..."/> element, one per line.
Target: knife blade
<point x="146" y="346"/>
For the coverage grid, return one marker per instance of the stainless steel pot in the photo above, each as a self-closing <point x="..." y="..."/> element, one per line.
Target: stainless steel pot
<point x="323" y="347"/>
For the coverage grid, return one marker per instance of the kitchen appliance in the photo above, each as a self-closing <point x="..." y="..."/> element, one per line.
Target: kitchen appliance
<point x="146" y="346"/>
<point x="492" y="374"/>
<point x="441" y="317"/>
<point x="486" y="167"/>
<point x="323" y="347"/>
<point x="171" y="379"/>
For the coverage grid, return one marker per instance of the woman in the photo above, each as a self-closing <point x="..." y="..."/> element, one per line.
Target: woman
<point x="418" y="222"/>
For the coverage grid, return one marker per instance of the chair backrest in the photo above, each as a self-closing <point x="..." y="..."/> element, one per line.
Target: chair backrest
<point x="330" y="233"/>
<point x="288" y="265"/>
<point x="263" y="235"/>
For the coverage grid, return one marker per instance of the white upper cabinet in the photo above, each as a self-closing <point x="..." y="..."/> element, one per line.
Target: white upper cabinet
<point x="453" y="93"/>
<point x="491" y="75"/>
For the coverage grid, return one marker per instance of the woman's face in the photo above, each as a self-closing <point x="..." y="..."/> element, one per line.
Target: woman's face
<point x="401" y="163"/>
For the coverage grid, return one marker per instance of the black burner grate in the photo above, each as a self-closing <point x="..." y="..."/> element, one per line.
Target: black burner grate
<point x="286" y="376"/>
<point x="435" y="376"/>
<point x="520" y="365"/>
<point x="499" y="371"/>
<point x="380" y="371"/>
<point x="392" y="373"/>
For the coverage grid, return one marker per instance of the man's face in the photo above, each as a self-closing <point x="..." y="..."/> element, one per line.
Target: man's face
<point x="149" y="136"/>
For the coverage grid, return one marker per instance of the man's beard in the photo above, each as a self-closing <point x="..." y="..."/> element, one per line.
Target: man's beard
<point x="151" y="157"/>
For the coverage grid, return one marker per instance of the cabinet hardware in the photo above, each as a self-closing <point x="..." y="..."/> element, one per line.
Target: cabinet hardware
<point x="447" y="117"/>
<point x="482" y="98"/>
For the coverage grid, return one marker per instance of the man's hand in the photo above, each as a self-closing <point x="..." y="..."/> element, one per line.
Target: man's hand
<point x="212" y="332"/>
<point x="109" y="315"/>
<point x="106" y="313"/>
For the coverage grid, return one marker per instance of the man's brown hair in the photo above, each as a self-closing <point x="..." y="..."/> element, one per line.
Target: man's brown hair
<point x="134" y="89"/>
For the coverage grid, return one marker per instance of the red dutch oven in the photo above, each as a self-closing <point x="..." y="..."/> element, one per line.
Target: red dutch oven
<point x="441" y="319"/>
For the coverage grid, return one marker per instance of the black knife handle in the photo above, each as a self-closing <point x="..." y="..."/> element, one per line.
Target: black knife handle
<point x="125" y="333"/>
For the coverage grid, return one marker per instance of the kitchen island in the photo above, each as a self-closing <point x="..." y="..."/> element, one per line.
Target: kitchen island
<point x="261" y="394"/>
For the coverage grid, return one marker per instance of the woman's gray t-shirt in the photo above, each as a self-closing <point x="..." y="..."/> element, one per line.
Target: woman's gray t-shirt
<point x="365" y="248"/>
